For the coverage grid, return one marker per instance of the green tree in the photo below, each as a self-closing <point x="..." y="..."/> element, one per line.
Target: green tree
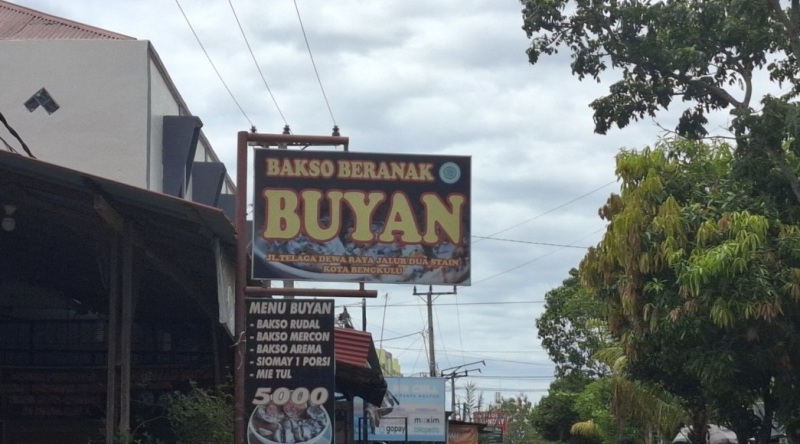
<point x="473" y="401"/>
<point x="593" y="406"/>
<point x="704" y="53"/>
<point x="574" y="331"/>
<point x="555" y="412"/>
<point x="572" y="328"/>
<point x="699" y="278"/>
<point x="519" y="411"/>
<point x="640" y="409"/>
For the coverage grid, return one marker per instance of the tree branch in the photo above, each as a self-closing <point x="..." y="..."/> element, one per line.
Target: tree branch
<point x="713" y="89"/>
<point x="791" y="27"/>
<point x="779" y="157"/>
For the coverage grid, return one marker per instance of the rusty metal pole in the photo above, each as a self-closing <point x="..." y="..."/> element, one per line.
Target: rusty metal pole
<point x="239" y="421"/>
<point x="242" y="290"/>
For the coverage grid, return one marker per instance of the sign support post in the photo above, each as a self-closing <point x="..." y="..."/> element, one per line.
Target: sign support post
<point x="242" y="288"/>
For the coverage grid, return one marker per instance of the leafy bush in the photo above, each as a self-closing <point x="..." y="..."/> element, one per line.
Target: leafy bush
<point x="202" y="416"/>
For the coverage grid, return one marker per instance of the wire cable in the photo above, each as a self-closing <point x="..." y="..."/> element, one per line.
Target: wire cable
<point x="531" y="261"/>
<point x="16" y="136"/>
<point x="316" y="72"/>
<point x="258" y="67"/>
<point x="8" y="147"/>
<point x="177" y="2"/>
<point x="547" y="244"/>
<point x="545" y="213"/>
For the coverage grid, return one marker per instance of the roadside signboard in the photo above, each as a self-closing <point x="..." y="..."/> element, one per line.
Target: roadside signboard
<point x="289" y="367"/>
<point x="413" y="410"/>
<point x="493" y="418"/>
<point x="364" y="217"/>
<point x="491" y="435"/>
<point x="462" y="434"/>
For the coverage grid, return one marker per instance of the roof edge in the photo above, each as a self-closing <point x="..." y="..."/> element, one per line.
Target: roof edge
<point x="62" y="21"/>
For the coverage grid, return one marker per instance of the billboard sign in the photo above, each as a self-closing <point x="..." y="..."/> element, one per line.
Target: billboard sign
<point x="462" y="434"/>
<point x="491" y="435"/>
<point x="363" y="217"/>
<point x="413" y="410"/>
<point x="493" y="418"/>
<point x="289" y="368"/>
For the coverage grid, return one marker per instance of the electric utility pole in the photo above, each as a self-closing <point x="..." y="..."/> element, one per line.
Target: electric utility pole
<point x="430" y="294"/>
<point x="458" y="372"/>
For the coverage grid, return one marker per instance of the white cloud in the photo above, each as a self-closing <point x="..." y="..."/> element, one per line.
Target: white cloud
<point x="414" y="77"/>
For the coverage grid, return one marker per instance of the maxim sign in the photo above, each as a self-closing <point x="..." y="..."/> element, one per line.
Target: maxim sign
<point x="344" y="216"/>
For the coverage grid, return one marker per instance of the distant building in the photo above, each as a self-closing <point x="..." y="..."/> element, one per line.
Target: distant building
<point x="390" y="366"/>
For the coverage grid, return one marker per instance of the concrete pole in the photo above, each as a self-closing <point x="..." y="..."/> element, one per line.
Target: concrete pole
<point x="430" y="332"/>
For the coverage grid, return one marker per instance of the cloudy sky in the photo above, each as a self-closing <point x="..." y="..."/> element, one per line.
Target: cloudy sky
<point x="413" y="77"/>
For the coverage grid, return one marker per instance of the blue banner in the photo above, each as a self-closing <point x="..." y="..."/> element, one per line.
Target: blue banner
<point x="413" y="410"/>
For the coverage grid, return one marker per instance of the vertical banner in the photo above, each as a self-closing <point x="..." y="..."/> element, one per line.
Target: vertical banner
<point x="413" y="410"/>
<point x="289" y="384"/>
<point x="365" y="217"/>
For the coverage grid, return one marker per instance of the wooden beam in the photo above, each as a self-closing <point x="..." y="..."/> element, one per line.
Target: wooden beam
<point x="108" y="213"/>
<point x="113" y="338"/>
<point x="117" y="223"/>
<point x="183" y="281"/>
<point x="126" y="326"/>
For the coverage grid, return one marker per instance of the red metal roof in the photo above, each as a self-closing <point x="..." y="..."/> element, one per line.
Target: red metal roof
<point x="21" y="23"/>
<point x="352" y="346"/>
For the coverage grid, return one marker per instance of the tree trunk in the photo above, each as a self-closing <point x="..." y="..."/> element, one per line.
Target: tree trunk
<point x="765" y="431"/>
<point x="698" y="433"/>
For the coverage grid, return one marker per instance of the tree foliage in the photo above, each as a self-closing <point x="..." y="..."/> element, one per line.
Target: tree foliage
<point x="706" y="54"/>
<point x="555" y="413"/>
<point x="572" y="328"/>
<point x="473" y="400"/>
<point x="519" y="411"/>
<point x="701" y="279"/>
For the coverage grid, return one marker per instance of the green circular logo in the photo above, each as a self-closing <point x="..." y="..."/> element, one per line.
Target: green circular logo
<point x="449" y="172"/>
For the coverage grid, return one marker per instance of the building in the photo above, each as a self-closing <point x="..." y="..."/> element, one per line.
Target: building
<point x="117" y="243"/>
<point x="390" y="366"/>
<point x="117" y="250"/>
<point x="102" y="103"/>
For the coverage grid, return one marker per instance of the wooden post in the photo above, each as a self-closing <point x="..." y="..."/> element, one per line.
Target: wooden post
<point x="112" y="338"/>
<point x="126" y="326"/>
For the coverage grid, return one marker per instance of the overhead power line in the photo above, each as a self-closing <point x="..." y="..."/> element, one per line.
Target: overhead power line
<point x="258" y="67"/>
<point x="316" y="72"/>
<point x="547" y="212"/>
<point x="530" y="242"/>
<point x="185" y="17"/>
<point x="16" y="136"/>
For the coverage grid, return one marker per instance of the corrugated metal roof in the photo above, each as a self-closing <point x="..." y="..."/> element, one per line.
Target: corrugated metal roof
<point x="352" y="346"/>
<point x="20" y="23"/>
<point x="148" y="207"/>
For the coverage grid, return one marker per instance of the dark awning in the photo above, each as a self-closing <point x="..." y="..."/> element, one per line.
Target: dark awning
<point x="358" y="371"/>
<point x="65" y="218"/>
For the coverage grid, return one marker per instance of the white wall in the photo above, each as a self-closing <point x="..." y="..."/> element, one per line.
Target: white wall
<point x="162" y="103"/>
<point x="101" y="87"/>
<point x="112" y="95"/>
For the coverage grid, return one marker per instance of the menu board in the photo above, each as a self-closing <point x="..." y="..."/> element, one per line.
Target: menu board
<point x="289" y="370"/>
